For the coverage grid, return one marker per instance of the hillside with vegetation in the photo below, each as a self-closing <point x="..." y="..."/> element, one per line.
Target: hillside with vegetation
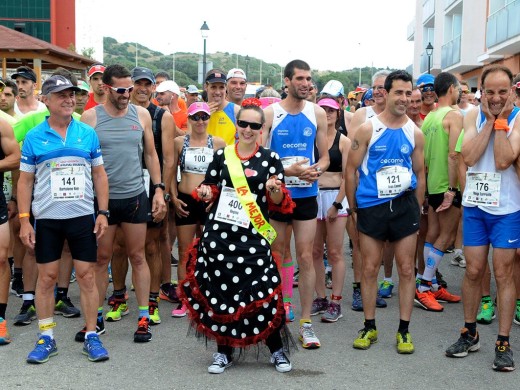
<point x="186" y="65"/>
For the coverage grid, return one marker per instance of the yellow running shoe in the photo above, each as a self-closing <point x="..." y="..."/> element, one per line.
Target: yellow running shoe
<point x="365" y="338"/>
<point x="404" y="343"/>
<point x="119" y="309"/>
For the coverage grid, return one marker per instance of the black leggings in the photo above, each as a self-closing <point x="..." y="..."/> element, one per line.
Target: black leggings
<point x="273" y="342"/>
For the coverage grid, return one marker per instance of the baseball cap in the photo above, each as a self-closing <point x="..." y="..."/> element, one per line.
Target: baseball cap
<point x="169" y="85"/>
<point x="26" y="74"/>
<point x="367" y="96"/>
<point x="327" y="102"/>
<point x="237" y="73"/>
<point x="139" y="73"/>
<point x="216" y="76"/>
<point x="83" y="86"/>
<point x="351" y="95"/>
<point x="192" y="89"/>
<point x="96" y="69"/>
<point x="333" y="88"/>
<point x="360" y="90"/>
<point x="57" y="84"/>
<point x="198" y="107"/>
<point x="425" y="79"/>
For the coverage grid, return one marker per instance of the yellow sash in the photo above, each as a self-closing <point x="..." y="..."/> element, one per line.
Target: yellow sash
<point x="245" y="197"/>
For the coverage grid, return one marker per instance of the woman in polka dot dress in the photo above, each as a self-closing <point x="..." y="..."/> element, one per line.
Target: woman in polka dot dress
<point x="232" y="287"/>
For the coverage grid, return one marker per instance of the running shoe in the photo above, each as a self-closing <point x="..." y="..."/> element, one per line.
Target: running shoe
<point x="289" y="312"/>
<point x="440" y="279"/>
<point x="357" y="300"/>
<point x="385" y="289"/>
<point x="365" y="338"/>
<point x="464" y="344"/>
<point x="143" y="334"/>
<point x="180" y="311"/>
<point x="100" y="329"/>
<point x="44" y="349"/>
<point x="17" y="287"/>
<point x="4" y="333"/>
<point x="427" y="301"/>
<point x="153" y="312"/>
<point x="328" y="279"/>
<point x="308" y="337"/>
<point x="117" y="311"/>
<point x="66" y="308"/>
<point x="319" y="306"/>
<point x="112" y="299"/>
<point x="26" y="315"/>
<point x="220" y="363"/>
<point x="516" y="318"/>
<point x="93" y="348"/>
<point x="296" y="278"/>
<point x="333" y="313"/>
<point x="487" y="313"/>
<point x="503" y="357"/>
<point x="442" y="295"/>
<point x="168" y="292"/>
<point x="380" y="302"/>
<point x="280" y="361"/>
<point x="459" y="260"/>
<point x="404" y="343"/>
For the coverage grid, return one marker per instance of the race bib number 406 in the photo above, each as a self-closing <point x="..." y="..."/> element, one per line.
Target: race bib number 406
<point x="483" y="188"/>
<point x="230" y="209"/>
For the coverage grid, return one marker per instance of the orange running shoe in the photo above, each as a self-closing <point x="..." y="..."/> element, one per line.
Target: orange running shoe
<point x="427" y="301"/>
<point x="4" y="334"/>
<point x="442" y="295"/>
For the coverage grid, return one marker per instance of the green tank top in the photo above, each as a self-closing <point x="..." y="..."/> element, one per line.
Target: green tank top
<point x="436" y="148"/>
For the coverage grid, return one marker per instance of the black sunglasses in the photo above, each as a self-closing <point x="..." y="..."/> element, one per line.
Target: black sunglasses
<point x="428" y="88"/>
<point x="252" y="125"/>
<point x="198" y="117"/>
<point x="121" y="91"/>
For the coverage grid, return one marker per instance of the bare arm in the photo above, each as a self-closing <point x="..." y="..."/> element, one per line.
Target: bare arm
<point x="506" y="148"/>
<point x="418" y="165"/>
<point x="100" y="180"/>
<point x="269" y="114"/>
<point x="358" y="150"/>
<point x="357" y="120"/>
<point x="9" y="147"/>
<point x="321" y="139"/>
<point x="453" y="124"/>
<point x="167" y="137"/>
<point x="25" y="189"/>
<point x="474" y="143"/>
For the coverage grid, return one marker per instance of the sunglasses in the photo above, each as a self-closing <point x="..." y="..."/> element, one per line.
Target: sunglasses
<point x="121" y="91"/>
<point x="428" y="88"/>
<point x="465" y="92"/>
<point x="252" y="125"/>
<point x="198" y="117"/>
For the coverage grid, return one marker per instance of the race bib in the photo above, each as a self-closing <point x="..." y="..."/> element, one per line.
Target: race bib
<point x="293" y="181"/>
<point x="8" y="186"/>
<point x="68" y="182"/>
<point x="197" y="159"/>
<point x="146" y="178"/>
<point x="230" y="209"/>
<point x="392" y="180"/>
<point x="482" y="189"/>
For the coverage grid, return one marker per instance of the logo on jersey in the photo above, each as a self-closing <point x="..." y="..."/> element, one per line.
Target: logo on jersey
<point x="307" y="132"/>
<point x="405" y="149"/>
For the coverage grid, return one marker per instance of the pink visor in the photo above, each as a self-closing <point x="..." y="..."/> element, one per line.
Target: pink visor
<point x="328" y="103"/>
<point x="198" y="107"/>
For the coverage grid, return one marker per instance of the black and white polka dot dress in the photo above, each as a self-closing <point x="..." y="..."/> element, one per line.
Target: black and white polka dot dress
<point x="232" y="288"/>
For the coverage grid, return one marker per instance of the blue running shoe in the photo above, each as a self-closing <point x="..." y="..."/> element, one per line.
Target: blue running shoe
<point x="380" y="302"/>
<point x="44" y="349"/>
<point x="385" y="289"/>
<point x="357" y="302"/>
<point x="93" y="348"/>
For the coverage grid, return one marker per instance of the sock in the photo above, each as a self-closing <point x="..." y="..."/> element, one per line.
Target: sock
<point x="88" y="333"/>
<point x="143" y="311"/>
<point x="472" y="327"/>
<point x="403" y="326"/>
<point x="424" y="285"/>
<point x="28" y="298"/>
<point x="287" y="279"/>
<point x="120" y="294"/>
<point x="457" y="252"/>
<point x="389" y="280"/>
<point x="370" y="324"/>
<point x="426" y="250"/>
<point x="100" y="314"/>
<point x="432" y="263"/>
<point x="487" y="298"/>
<point x="154" y="297"/>
<point x="3" y="308"/>
<point x="46" y="327"/>
<point x="305" y="321"/>
<point x="61" y="292"/>
<point x="356" y="285"/>
<point x="18" y="273"/>
<point x="503" y="339"/>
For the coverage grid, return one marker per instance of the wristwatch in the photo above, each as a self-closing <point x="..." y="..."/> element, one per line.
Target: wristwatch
<point x="338" y="205"/>
<point x="160" y="185"/>
<point x="106" y="213"/>
<point x="167" y="197"/>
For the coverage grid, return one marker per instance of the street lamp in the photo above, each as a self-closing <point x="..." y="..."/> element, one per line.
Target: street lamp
<point x="429" y="52"/>
<point x="204" y="31"/>
<point x="247" y="67"/>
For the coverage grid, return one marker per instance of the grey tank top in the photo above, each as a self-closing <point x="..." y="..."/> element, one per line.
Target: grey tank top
<point x="121" y="141"/>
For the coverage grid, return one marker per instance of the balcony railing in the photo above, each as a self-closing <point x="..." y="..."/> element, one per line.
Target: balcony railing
<point x="428" y="9"/>
<point x="503" y="24"/>
<point x="450" y="53"/>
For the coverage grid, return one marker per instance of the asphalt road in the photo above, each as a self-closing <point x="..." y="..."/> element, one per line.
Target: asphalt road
<point x="174" y="361"/>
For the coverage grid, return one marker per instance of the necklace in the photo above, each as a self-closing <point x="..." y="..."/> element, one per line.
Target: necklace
<point x="245" y="158"/>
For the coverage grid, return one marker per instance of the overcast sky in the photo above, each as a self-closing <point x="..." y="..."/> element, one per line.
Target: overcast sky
<point x="329" y="35"/>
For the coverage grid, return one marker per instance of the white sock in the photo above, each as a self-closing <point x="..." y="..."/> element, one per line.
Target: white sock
<point x="46" y="327"/>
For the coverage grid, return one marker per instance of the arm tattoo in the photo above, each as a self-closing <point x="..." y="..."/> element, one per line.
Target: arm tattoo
<point x="355" y="144"/>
